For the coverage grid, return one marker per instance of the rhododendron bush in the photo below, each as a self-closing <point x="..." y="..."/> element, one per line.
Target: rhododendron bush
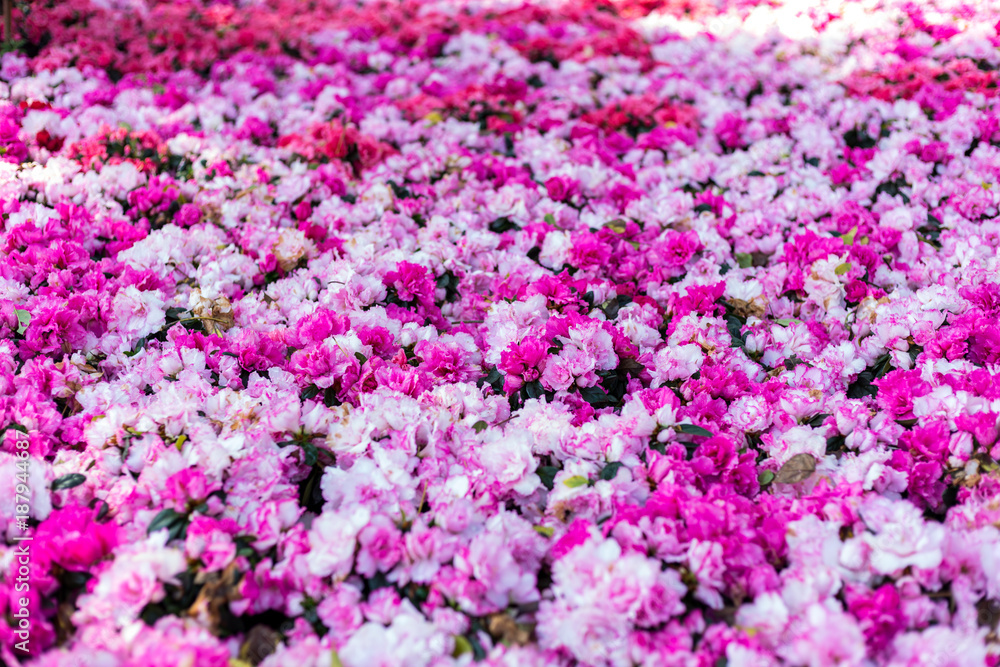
<point x="424" y="333"/>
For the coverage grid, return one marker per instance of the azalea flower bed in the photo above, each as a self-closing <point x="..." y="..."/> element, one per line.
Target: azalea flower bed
<point x="439" y="333"/>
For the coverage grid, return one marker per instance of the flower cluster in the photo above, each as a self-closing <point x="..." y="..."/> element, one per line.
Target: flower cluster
<point x="611" y="333"/>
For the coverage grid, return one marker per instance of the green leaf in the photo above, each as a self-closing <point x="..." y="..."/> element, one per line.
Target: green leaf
<point x="72" y="480"/>
<point x="735" y="328"/>
<point x="691" y="429"/>
<point x="534" y="389"/>
<point x="617" y="226"/>
<point x="23" y="320"/>
<point x="139" y="347"/>
<point x="576" y="481"/>
<point x="175" y="313"/>
<point x="480" y="426"/>
<point x="462" y="646"/>
<point x="785" y="321"/>
<point x="549" y="218"/>
<point x="842" y="268"/>
<point x="882" y="365"/>
<point x="164" y="519"/>
<point x="361" y="358"/>
<point x="817" y="420"/>
<point x="745" y="259"/>
<point x="862" y="386"/>
<point x="501" y="225"/>
<point x="178" y="529"/>
<point x="310" y="454"/>
<point x="611" y="470"/>
<point x="544" y="531"/>
<point x="596" y="396"/>
<point x="548" y="476"/>
<point x="765" y="477"/>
